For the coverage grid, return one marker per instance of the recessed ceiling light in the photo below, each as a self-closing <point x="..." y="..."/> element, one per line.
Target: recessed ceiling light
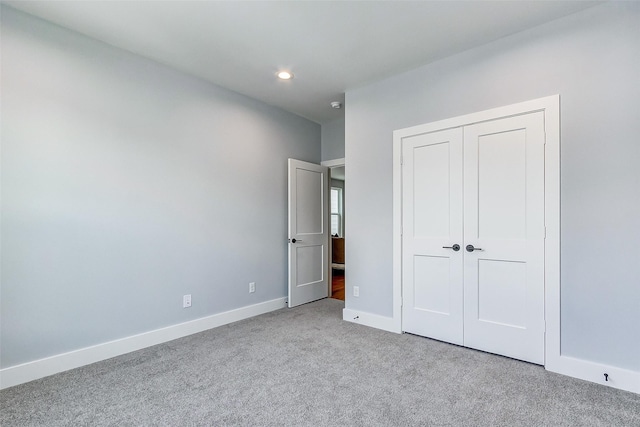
<point x="336" y="104"/>
<point x="284" y="75"/>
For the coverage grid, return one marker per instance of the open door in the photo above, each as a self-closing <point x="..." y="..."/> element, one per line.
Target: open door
<point x="308" y="232"/>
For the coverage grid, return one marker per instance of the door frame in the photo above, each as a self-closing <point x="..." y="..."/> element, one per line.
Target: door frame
<point x="334" y="163"/>
<point x="550" y="106"/>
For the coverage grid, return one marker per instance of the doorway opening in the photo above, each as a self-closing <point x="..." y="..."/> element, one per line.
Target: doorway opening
<point x="337" y="229"/>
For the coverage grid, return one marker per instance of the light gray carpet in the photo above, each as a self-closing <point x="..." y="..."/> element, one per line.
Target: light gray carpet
<point x="306" y="367"/>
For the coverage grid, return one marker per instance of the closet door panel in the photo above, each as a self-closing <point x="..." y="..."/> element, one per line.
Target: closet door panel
<point x="432" y="220"/>
<point x="504" y="223"/>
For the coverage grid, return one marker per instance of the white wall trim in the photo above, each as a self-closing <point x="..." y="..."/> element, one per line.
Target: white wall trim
<point x="623" y="379"/>
<point x="30" y="371"/>
<point x="333" y="163"/>
<point x="397" y="231"/>
<point x="369" y="319"/>
<point x="540" y="104"/>
<point x="552" y="225"/>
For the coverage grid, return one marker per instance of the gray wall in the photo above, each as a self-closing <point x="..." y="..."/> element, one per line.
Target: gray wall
<point x="333" y="139"/>
<point x="125" y="185"/>
<point x="592" y="59"/>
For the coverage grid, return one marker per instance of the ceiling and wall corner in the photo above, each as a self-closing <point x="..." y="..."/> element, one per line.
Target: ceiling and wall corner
<point x="331" y="47"/>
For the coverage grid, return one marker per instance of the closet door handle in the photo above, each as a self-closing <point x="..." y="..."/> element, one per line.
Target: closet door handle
<point x="470" y="248"/>
<point x="455" y="247"/>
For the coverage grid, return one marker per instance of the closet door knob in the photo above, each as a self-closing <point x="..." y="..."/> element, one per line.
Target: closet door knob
<point x="470" y="248"/>
<point x="455" y="247"/>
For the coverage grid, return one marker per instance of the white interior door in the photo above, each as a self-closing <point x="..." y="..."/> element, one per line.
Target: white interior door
<point x="432" y="235"/>
<point x="504" y="222"/>
<point x="308" y="232"/>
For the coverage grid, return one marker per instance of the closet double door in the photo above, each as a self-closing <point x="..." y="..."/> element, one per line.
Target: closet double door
<point x="473" y="236"/>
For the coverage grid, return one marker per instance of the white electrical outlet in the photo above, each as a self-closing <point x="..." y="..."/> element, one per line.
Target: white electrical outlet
<point x="186" y="301"/>
<point x="252" y="287"/>
<point x="356" y="291"/>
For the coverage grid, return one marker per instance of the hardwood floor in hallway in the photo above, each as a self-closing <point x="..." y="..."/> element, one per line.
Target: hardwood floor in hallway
<point x="337" y="285"/>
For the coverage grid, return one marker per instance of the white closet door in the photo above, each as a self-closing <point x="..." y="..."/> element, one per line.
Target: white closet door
<point x="504" y="222"/>
<point x="432" y="220"/>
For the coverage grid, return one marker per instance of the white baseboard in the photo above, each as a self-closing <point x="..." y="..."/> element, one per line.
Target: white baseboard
<point x="30" y="371"/>
<point x="623" y="379"/>
<point x="372" y="320"/>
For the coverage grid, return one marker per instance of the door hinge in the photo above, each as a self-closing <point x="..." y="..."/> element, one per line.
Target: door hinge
<point x="545" y="232"/>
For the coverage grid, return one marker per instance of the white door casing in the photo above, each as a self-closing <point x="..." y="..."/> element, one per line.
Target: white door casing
<point x="432" y="218"/>
<point x="308" y="232"/>
<point x="491" y="297"/>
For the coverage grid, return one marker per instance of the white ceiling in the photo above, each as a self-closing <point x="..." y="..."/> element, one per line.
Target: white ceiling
<point x="330" y="46"/>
